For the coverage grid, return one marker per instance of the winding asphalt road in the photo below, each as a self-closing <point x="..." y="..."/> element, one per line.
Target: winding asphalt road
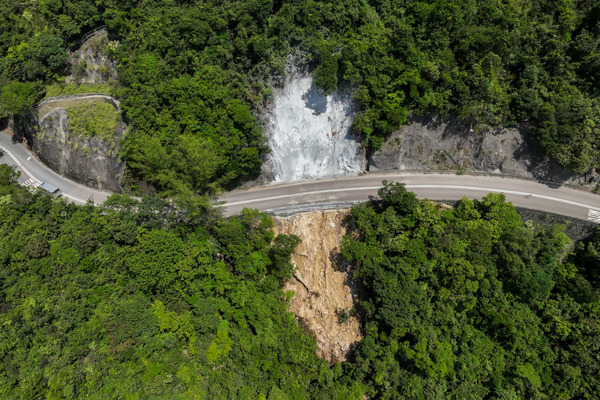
<point x="522" y="193"/>
<point x="34" y="172"/>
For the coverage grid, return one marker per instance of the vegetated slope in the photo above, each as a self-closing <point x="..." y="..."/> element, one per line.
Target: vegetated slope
<point x="490" y="62"/>
<point x="194" y="70"/>
<point x="132" y="299"/>
<point x="33" y="46"/>
<point x="128" y="300"/>
<point x="472" y="303"/>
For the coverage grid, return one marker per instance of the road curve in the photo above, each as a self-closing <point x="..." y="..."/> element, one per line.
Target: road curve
<point x="522" y="193"/>
<point x="32" y="170"/>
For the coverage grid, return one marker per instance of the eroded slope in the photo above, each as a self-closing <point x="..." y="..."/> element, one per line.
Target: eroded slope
<point x="323" y="292"/>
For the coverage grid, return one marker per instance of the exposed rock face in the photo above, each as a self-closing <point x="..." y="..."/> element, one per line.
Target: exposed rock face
<point x="322" y="287"/>
<point x="309" y="133"/>
<point x="91" y="161"/>
<point x="436" y="144"/>
<point x="91" y="63"/>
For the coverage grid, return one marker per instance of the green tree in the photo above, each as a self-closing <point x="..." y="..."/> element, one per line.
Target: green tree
<point x="17" y="98"/>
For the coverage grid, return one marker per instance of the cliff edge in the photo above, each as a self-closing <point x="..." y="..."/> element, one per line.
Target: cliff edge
<point x="78" y="137"/>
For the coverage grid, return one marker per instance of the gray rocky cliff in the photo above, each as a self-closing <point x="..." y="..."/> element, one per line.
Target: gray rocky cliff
<point x="436" y="144"/>
<point x="91" y="63"/>
<point x="88" y="160"/>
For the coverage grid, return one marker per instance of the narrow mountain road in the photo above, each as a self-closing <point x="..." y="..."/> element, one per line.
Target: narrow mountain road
<point x="49" y="104"/>
<point x="34" y="172"/>
<point x="522" y="193"/>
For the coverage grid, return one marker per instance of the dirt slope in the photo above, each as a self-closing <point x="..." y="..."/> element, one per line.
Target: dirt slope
<point x="322" y="288"/>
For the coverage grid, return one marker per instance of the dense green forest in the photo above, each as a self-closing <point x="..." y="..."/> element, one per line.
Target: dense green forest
<point x="130" y="300"/>
<point x="156" y="299"/>
<point x="196" y="73"/>
<point x="135" y="300"/>
<point x="472" y="303"/>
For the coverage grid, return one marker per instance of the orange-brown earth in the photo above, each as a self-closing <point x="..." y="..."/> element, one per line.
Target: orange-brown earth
<point x="321" y="284"/>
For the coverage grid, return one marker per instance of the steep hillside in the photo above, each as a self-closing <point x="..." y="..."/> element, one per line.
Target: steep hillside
<point x="79" y="137"/>
<point x="324" y="292"/>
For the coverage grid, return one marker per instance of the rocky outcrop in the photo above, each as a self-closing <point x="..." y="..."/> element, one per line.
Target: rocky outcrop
<point x="436" y="144"/>
<point x="324" y="291"/>
<point x="91" y="63"/>
<point x="88" y="160"/>
<point x="308" y="133"/>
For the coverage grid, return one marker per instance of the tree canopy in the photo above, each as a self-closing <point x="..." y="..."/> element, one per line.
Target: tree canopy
<point x="196" y="73"/>
<point x="470" y="302"/>
<point x="135" y="300"/>
<point x="130" y="300"/>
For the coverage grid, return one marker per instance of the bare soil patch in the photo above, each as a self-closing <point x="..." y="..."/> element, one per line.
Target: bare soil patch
<point x="324" y="293"/>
